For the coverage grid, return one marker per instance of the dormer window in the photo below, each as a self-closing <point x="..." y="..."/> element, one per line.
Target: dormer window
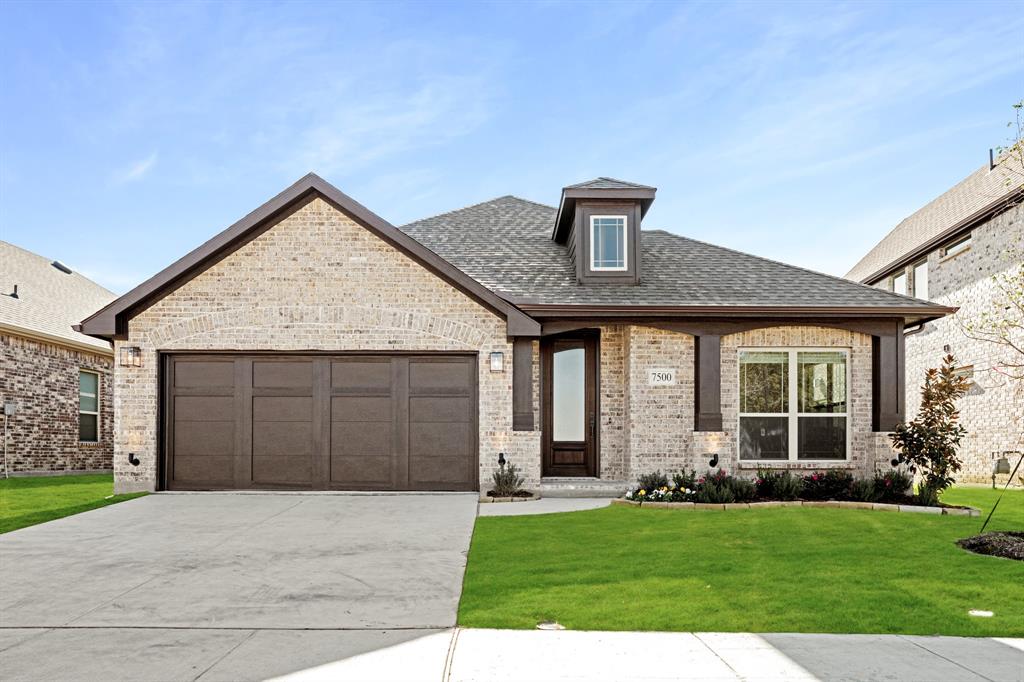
<point x="608" y="243"/>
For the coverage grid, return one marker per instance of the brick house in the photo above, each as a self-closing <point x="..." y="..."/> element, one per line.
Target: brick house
<point x="60" y="380"/>
<point x="314" y="345"/>
<point x="949" y="252"/>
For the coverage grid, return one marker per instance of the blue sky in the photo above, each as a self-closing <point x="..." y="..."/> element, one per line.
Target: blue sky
<point x="131" y="133"/>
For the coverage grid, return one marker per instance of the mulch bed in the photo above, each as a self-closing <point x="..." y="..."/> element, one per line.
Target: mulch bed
<point x="518" y="493"/>
<point x="1006" y="544"/>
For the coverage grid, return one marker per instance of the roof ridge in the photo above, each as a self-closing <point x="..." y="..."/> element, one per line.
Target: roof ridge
<point x="479" y="203"/>
<point x="49" y="261"/>
<point x="843" y="280"/>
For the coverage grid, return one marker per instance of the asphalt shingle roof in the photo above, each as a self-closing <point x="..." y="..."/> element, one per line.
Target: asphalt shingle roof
<point x="505" y="244"/>
<point x="49" y="301"/>
<point x="607" y="183"/>
<point x="978" y="190"/>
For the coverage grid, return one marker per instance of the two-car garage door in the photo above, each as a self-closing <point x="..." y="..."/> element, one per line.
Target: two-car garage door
<point x="350" y="422"/>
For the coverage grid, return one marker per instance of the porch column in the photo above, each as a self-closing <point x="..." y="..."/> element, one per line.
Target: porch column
<point x="888" y="367"/>
<point x="707" y="374"/>
<point x="522" y="383"/>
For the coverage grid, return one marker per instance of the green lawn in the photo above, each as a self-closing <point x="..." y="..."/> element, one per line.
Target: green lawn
<point x="766" y="570"/>
<point x="28" y="501"/>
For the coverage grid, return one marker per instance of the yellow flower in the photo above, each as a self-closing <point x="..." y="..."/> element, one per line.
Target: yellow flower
<point x="642" y="492"/>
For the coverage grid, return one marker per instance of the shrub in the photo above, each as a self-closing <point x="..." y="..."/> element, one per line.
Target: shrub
<point x="743" y="489"/>
<point x="777" y="485"/>
<point x="833" y="484"/>
<point x="507" y="481"/>
<point x="864" y="490"/>
<point x="928" y="444"/>
<point x="685" y="481"/>
<point x="714" y="492"/>
<point x="892" y="485"/>
<point x="653" y="481"/>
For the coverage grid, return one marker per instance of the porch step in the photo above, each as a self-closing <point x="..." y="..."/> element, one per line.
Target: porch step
<point x="581" y="487"/>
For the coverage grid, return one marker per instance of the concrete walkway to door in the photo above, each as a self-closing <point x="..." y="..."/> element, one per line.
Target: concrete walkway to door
<point x="163" y="586"/>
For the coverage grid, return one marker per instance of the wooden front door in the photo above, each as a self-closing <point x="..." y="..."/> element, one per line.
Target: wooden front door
<point x="569" y="364"/>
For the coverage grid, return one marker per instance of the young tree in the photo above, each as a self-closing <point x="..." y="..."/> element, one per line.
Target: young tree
<point x="928" y="444"/>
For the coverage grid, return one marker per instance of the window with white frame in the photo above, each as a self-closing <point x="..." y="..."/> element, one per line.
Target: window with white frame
<point x="608" y="243"/>
<point x="899" y="283"/>
<point x="88" y="406"/>
<point x="920" y="271"/>
<point x="793" y="404"/>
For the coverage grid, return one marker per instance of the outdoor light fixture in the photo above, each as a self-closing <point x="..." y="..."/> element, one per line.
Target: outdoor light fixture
<point x="497" y="362"/>
<point x="714" y="459"/>
<point x="501" y="459"/>
<point x="131" y="356"/>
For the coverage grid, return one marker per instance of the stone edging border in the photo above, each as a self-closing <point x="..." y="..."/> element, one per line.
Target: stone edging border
<point x="869" y="506"/>
<point x="485" y="499"/>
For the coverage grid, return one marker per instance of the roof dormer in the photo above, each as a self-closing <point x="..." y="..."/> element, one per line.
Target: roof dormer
<point x="599" y="223"/>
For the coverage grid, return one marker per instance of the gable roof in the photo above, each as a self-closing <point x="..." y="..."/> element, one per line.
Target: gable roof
<point x="977" y="197"/>
<point x="607" y="183"/>
<point x="49" y="300"/>
<point x="505" y="244"/>
<point x="112" y="320"/>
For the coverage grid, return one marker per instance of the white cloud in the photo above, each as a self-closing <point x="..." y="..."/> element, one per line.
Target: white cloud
<point x="136" y="171"/>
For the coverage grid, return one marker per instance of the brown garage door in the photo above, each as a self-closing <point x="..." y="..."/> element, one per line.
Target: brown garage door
<point x="354" y="422"/>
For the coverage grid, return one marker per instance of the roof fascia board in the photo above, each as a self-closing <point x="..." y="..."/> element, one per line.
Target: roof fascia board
<point x="111" y="321"/>
<point x="35" y="335"/>
<point x="989" y="211"/>
<point x="566" y="207"/>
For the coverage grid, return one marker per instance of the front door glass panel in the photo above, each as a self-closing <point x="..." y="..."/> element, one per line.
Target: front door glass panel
<point x="568" y="395"/>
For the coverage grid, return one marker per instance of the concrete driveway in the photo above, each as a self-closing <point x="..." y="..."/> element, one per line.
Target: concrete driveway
<point x="165" y="587"/>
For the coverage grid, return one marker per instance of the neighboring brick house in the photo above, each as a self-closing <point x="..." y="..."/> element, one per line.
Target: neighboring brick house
<point x="314" y="345"/>
<point x="60" y="380"/>
<point x="949" y="252"/>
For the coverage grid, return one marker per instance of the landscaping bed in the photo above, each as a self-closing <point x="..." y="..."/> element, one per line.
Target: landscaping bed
<point x="1006" y="544"/>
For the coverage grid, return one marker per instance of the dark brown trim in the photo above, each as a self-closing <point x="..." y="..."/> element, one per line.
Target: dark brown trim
<point x="985" y="213"/>
<point x="888" y="378"/>
<point x="112" y="320"/>
<point x="584" y="272"/>
<point x="567" y="206"/>
<point x="723" y="326"/>
<point x="589" y="340"/>
<point x="522" y="384"/>
<point x="707" y="375"/>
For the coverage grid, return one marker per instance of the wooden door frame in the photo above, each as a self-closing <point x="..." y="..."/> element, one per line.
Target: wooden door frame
<point x="591" y="339"/>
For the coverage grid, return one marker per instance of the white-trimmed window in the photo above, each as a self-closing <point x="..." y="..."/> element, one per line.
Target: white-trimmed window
<point x="794" y="404"/>
<point x="88" y="406"/>
<point x="958" y="246"/>
<point x="899" y="282"/>
<point x="608" y="243"/>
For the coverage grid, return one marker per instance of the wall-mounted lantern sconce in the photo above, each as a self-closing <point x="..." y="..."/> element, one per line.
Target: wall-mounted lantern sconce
<point x="131" y="356"/>
<point x="497" y="362"/>
<point x="713" y="462"/>
<point x="501" y="459"/>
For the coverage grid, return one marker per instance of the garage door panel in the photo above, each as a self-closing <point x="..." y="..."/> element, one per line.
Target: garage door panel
<point x="281" y="469"/>
<point x="194" y="438"/>
<point x="204" y="373"/>
<point x="424" y="470"/>
<point x="201" y="408"/>
<point x="282" y="409"/>
<point x="361" y="438"/>
<point x="393" y="422"/>
<point x="438" y="438"/>
<point x="440" y="409"/>
<point x="282" y="438"/>
<point x="286" y="374"/>
<point x="362" y="470"/>
<point x="203" y="469"/>
<point x="361" y="409"/>
<point x="363" y="374"/>
<point x="440" y="377"/>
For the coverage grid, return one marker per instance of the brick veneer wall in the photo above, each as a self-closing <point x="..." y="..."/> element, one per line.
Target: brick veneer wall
<point x="42" y="378"/>
<point x="993" y="410"/>
<point x="316" y="281"/>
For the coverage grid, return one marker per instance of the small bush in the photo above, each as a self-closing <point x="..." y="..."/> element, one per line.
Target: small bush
<point x="654" y="481"/>
<point x="685" y="481"/>
<point x="833" y="484"/>
<point x="743" y="489"/>
<point x="892" y="485"/>
<point x="714" y="492"/>
<point x="864" y="490"/>
<point x="777" y="485"/>
<point x="507" y="481"/>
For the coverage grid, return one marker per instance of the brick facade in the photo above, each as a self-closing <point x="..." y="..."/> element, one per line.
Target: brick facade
<point x="286" y="291"/>
<point x="993" y="409"/>
<point x="42" y="378"/>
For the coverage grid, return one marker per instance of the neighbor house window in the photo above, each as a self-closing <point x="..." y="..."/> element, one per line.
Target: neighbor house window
<point x="608" y="242"/>
<point x="958" y="246"/>
<point x="921" y="280"/>
<point x="899" y="283"/>
<point x="793" y="404"/>
<point x="88" y="406"/>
